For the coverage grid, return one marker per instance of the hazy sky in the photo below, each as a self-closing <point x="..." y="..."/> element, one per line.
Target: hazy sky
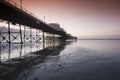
<point x="83" y="18"/>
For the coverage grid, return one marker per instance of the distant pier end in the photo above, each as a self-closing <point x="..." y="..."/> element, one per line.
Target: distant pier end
<point x="57" y="27"/>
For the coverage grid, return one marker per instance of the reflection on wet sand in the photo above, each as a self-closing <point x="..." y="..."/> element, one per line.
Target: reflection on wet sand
<point x="16" y="58"/>
<point x="11" y="51"/>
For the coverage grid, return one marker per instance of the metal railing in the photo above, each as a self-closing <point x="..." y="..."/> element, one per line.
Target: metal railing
<point x="23" y="9"/>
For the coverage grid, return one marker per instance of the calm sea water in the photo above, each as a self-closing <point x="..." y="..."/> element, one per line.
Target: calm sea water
<point x="80" y="60"/>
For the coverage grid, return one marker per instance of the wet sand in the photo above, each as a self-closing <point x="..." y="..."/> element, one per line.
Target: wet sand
<point x="81" y="60"/>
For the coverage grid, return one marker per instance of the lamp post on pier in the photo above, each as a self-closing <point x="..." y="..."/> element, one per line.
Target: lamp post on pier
<point x="21" y="4"/>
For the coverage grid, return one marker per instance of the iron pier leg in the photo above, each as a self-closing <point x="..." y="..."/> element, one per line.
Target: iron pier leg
<point x="24" y="33"/>
<point x="51" y="37"/>
<point x="0" y="37"/>
<point x="21" y="48"/>
<point x="30" y="34"/>
<point x="9" y="41"/>
<point x="36" y="35"/>
<point x="39" y="38"/>
<point x="9" y="51"/>
<point x="43" y="36"/>
<point x="0" y="52"/>
<point x="20" y="33"/>
<point x="43" y="40"/>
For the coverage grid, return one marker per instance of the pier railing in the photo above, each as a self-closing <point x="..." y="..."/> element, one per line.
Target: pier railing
<point x="23" y="9"/>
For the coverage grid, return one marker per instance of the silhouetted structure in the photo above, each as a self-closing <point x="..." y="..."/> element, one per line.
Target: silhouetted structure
<point x="13" y="14"/>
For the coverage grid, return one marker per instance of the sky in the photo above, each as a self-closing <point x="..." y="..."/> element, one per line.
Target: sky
<point x="81" y="18"/>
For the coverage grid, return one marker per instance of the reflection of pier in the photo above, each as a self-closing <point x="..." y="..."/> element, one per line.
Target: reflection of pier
<point x="17" y="25"/>
<point x="14" y="51"/>
<point x="18" y="65"/>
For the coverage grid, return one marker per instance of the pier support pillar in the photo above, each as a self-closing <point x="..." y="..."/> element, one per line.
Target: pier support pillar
<point x="0" y="52"/>
<point x="36" y="34"/>
<point x="43" y="40"/>
<point x="30" y="34"/>
<point x="43" y="36"/>
<point x="9" y="40"/>
<point x="21" y="34"/>
<point x="24" y="33"/>
<point x="9" y="53"/>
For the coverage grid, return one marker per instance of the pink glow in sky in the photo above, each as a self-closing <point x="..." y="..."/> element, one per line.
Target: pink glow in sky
<point x="83" y="18"/>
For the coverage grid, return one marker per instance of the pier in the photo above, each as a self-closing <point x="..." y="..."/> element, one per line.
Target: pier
<point x="18" y="25"/>
<point x="26" y="40"/>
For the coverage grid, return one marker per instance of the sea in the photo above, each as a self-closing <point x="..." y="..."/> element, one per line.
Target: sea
<point x="61" y="60"/>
